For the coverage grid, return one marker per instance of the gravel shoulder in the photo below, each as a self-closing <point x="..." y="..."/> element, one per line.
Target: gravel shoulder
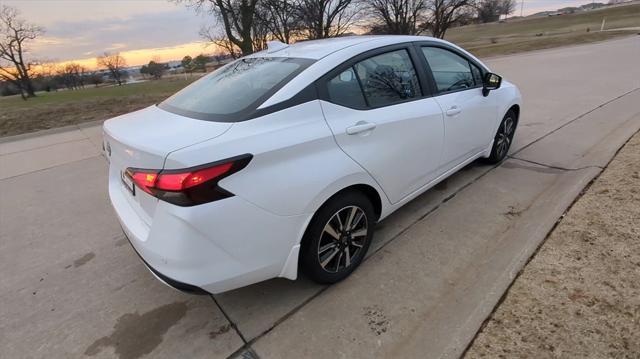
<point x="579" y="296"/>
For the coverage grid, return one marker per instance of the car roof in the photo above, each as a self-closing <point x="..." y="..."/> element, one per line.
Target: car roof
<point x="317" y="49"/>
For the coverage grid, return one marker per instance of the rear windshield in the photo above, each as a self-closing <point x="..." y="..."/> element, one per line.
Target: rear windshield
<point x="234" y="91"/>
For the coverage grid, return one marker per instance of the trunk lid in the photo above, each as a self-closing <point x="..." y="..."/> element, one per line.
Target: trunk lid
<point x="144" y="139"/>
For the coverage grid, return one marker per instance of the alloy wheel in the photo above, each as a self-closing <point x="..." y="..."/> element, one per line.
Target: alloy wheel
<point x="342" y="239"/>
<point x="504" y="137"/>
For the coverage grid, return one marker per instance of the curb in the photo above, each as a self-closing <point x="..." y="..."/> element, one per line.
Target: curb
<point x="50" y="131"/>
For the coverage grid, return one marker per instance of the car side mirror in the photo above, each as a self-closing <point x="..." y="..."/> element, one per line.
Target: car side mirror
<point x="490" y="82"/>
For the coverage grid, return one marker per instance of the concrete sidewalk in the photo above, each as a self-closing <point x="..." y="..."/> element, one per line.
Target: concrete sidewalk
<point x="71" y="286"/>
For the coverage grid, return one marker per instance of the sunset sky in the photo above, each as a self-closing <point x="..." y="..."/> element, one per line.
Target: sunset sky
<point x="79" y="30"/>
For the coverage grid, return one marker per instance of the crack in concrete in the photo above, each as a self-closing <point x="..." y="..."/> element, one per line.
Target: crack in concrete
<point x="50" y="167"/>
<point x="45" y="146"/>
<point x="554" y="167"/>
<point x="245" y="351"/>
<point x="574" y="120"/>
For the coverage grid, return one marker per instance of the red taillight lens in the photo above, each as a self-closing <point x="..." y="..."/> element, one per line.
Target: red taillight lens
<point x="181" y="181"/>
<point x="190" y="186"/>
<point x="144" y="179"/>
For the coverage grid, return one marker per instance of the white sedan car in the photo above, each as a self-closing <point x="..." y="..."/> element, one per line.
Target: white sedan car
<point x="286" y="159"/>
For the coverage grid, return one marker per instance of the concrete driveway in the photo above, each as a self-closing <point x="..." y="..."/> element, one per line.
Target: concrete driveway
<point x="71" y="286"/>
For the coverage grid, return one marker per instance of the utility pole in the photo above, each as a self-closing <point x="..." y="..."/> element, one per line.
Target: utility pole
<point x="522" y="7"/>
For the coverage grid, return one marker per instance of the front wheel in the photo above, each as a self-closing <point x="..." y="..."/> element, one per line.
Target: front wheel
<point x="338" y="237"/>
<point x="504" y="137"/>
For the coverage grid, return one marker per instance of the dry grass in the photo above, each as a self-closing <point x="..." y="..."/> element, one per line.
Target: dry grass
<point x="545" y="32"/>
<point x="63" y="108"/>
<point x="579" y="297"/>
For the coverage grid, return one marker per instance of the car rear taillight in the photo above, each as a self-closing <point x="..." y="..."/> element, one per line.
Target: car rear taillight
<point x="189" y="186"/>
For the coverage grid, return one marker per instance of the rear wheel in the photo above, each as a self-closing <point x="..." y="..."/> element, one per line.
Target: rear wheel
<point x="338" y="237"/>
<point x="504" y="137"/>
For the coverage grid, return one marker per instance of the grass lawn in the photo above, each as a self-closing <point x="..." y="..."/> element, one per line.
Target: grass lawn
<point x="544" y="32"/>
<point x="63" y="108"/>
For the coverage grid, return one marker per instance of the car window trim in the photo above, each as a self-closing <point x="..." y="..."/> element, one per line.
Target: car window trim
<point x="419" y="45"/>
<point x="425" y="88"/>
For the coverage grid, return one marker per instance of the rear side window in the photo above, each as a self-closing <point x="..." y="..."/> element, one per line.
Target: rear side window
<point x="237" y="89"/>
<point x="388" y="78"/>
<point x="380" y="80"/>
<point x="345" y="90"/>
<point x="451" y="71"/>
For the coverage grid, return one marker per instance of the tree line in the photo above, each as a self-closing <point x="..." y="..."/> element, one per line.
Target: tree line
<point x="244" y="26"/>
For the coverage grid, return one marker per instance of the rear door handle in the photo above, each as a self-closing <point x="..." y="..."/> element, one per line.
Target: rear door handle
<point x="360" y="127"/>
<point x="453" y="110"/>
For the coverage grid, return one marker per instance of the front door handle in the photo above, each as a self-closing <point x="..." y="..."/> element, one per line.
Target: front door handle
<point x="361" y="126"/>
<point x="453" y="110"/>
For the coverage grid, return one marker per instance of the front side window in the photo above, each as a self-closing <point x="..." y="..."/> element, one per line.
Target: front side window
<point x="451" y="72"/>
<point x="237" y="88"/>
<point x="388" y="78"/>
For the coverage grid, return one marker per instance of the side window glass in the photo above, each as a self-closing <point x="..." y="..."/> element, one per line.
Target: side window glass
<point x="345" y="90"/>
<point x="388" y="78"/>
<point x="451" y="72"/>
<point x="477" y="74"/>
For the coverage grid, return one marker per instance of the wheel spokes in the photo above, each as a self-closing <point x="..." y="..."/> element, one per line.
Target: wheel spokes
<point x="338" y="261"/>
<point x="347" y="257"/>
<point x="329" y="258"/>
<point x="327" y="247"/>
<point x="350" y="218"/>
<point x="328" y="228"/>
<point x="346" y="236"/>
<point x="356" y="220"/>
<point x="508" y="126"/>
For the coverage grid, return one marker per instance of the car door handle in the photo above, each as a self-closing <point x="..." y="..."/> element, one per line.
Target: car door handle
<point x="360" y="127"/>
<point x="453" y="110"/>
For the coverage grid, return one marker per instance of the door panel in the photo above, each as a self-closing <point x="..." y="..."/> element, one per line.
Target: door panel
<point x="469" y="117"/>
<point x="468" y="121"/>
<point x="399" y="145"/>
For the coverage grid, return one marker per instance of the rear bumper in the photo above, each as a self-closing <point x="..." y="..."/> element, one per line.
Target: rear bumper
<point x="183" y="287"/>
<point x="214" y="247"/>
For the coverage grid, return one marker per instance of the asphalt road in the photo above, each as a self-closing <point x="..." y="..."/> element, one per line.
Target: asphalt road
<point x="71" y="286"/>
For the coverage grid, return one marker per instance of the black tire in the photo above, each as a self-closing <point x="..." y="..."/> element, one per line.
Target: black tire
<point x="316" y="243"/>
<point x="503" y="138"/>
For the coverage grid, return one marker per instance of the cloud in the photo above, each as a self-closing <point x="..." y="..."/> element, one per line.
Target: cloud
<point x="72" y="39"/>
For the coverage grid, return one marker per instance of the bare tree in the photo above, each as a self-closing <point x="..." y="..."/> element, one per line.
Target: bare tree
<point x="489" y="10"/>
<point x="15" y="34"/>
<point x="507" y="7"/>
<point x="115" y="64"/>
<point x="327" y="18"/>
<point x="280" y="18"/>
<point x="444" y="13"/>
<point x="72" y="75"/>
<point x="237" y="18"/>
<point x="397" y="17"/>
<point x="155" y="69"/>
<point x="213" y="35"/>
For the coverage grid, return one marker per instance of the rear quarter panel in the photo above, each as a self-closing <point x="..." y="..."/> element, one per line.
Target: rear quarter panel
<point x="296" y="163"/>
